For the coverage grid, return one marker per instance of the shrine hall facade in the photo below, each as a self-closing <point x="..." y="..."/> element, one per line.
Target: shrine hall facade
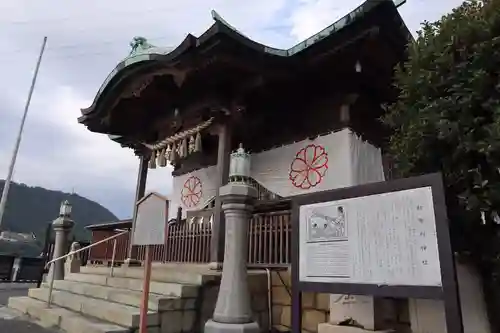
<point x="309" y="115"/>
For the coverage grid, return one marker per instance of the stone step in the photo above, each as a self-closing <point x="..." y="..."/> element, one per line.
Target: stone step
<point x="67" y="320"/>
<point x="195" y="275"/>
<point x="120" y="314"/>
<point x="124" y="296"/>
<point x="162" y="288"/>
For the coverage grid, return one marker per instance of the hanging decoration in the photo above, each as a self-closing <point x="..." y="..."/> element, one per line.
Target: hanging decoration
<point x="162" y="160"/>
<point x="197" y="143"/>
<point x="168" y="152"/>
<point x="191" y="146"/>
<point x="184" y="148"/>
<point x="173" y="154"/>
<point x="152" y="160"/>
<point x="177" y="146"/>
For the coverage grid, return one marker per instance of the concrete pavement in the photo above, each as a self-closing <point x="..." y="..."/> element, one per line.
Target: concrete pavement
<point x="12" y="321"/>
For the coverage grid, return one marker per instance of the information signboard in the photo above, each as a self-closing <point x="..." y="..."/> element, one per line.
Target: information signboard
<point x="383" y="239"/>
<point x="151" y="220"/>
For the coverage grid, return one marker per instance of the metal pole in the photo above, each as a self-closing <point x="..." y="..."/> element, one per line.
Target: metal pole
<point x="52" y="274"/>
<point x="113" y="258"/>
<point x="3" y="201"/>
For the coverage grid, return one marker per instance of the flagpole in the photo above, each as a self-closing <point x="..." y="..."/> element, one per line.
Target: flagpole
<point x="5" y="193"/>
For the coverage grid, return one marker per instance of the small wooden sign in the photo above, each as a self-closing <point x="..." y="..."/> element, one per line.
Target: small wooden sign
<point x="151" y="220"/>
<point x="149" y="229"/>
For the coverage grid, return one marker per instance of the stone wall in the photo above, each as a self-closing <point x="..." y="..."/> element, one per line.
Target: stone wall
<point x="315" y="307"/>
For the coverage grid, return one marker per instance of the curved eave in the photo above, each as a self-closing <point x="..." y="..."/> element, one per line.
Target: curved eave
<point x="135" y="63"/>
<point x="138" y="62"/>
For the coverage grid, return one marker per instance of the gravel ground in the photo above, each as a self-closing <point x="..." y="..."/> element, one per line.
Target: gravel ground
<point x="12" y="321"/>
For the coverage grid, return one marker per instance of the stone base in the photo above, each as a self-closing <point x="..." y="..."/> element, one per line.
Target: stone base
<point x="129" y="262"/>
<point x="330" y="328"/>
<point x="215" y="327"/>
<point x="72" y="265"/>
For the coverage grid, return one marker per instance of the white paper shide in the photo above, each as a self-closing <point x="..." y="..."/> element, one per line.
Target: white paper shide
<point x="384" y="239"/>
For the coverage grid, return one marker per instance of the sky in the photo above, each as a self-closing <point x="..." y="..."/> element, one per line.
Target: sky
<point x="86" y="40"/>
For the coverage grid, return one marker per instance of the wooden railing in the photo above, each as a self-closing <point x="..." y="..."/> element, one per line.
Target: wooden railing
<point x="188" y="241"/>
<point x="269" y="241"/>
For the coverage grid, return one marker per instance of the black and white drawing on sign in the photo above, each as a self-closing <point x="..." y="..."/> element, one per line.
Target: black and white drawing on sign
<point x="326" y="224"/>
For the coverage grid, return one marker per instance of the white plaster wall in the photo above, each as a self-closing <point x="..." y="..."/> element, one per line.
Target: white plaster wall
<point x="427" y="316"/>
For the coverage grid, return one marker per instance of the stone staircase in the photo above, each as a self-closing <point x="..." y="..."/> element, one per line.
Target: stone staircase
<point x="92" y="301"/>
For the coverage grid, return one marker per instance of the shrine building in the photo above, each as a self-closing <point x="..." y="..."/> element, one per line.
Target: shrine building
<point x="309" y="116"/>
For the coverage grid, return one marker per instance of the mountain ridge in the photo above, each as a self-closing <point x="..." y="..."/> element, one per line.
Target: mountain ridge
<point x="31" y="208"/>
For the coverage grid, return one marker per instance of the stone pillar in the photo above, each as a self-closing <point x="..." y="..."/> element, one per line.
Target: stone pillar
<point x="139" y="193"/>
<point x="62" y="227"/>
<point x="233" y="311"/>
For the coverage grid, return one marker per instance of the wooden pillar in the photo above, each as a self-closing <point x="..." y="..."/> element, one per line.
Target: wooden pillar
<point x="218" y="227"/>
<point x="139" y="193"/>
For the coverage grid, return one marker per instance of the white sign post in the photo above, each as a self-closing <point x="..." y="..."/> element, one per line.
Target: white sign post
<point x="151" y="220"/>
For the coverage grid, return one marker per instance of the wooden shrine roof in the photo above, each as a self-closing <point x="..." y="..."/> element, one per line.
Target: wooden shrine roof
<point x="154" y="85"/>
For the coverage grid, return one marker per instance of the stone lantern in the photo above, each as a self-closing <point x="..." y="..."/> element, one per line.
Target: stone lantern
<point x="62" y="227"/>
<point x="239" y="166"/>
<point x="233" y="311"/>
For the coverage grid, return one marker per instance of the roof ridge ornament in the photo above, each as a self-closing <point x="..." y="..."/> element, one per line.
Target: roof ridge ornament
<point x="139" y="44"/>
<point x="216" y="17"/>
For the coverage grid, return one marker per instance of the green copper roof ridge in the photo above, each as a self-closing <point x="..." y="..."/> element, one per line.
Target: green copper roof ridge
<point x="332" y="28"/>
<point x="216" y="17"/>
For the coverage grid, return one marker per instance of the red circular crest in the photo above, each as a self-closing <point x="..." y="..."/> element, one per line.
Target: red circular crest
<point x="309" y="167"/>
<point x="191" y="192"/>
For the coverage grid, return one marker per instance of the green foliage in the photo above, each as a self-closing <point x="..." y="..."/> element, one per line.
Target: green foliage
<point x="30" y="209"/>
<point x="447" y="118"/>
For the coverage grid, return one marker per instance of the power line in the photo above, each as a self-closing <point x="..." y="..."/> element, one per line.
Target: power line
<point x="92" y="17"/>
<point x="116" y="55"/>
<point x="65" y="56"/>
<point x="89" y="45"/>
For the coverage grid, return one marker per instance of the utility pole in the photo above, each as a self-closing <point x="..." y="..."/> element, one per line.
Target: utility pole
<point x="5" y="193"/>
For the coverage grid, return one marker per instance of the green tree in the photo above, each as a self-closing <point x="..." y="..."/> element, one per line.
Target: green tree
<point x="447" y="118"/>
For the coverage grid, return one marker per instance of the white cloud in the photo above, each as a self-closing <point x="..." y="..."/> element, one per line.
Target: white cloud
<point x="312" y="16"/>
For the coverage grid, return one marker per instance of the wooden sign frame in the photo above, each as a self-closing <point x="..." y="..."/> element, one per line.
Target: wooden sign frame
<point x="143" y="308"/>
<point x="447" y="292"/>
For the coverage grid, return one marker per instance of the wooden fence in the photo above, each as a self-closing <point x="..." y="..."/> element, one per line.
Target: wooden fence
<point x="269" y="241"/>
